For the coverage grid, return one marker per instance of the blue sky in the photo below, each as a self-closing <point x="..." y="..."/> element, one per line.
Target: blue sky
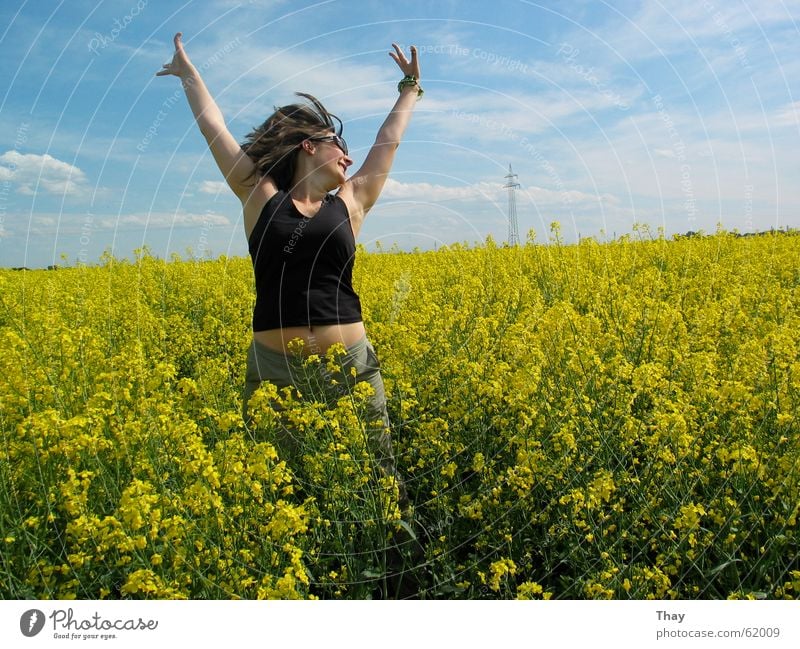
<point x="676" y="114"/>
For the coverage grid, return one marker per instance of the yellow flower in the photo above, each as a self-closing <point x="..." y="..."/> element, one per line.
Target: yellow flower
<point x="499" y="570"/>
<point x="628" y="406"/>
<point x="532" y="590"/>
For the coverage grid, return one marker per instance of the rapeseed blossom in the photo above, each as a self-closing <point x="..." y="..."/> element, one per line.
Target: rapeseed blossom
<point x="612" y="420"/>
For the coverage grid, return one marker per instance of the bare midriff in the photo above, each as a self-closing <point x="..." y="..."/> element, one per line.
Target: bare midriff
<point x="317" y="338"/>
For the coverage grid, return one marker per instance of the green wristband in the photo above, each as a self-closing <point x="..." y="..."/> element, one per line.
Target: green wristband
<point x="410" y="80"/>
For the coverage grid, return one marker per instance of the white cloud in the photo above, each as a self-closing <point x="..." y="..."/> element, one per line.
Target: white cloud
<point x="489" y="191"/>
<point x="213" y="187"/>
<point x="483" y="117"/>
<point x="394" y="189"/>
<point x="77" y="223"/>
<point x="32" y="173"/>
<point x="665" y="153"/>
<point x="566" y="197"/>
<point x="270" y="76"/>
<point x="161" y="220"/>
<point x="788" y="115"/>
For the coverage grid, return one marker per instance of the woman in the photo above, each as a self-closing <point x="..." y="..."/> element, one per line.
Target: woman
<point x="302" y="238"/>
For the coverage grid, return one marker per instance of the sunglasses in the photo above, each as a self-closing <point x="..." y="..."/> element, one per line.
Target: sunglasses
<point x="338" y="141"/>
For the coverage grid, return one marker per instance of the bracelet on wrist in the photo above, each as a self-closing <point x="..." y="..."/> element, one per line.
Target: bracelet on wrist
<point x="410" y="80"/>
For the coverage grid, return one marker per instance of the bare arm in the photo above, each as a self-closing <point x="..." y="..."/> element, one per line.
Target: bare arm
<point x="234" y="164"/>
<point x="368" y="182"/>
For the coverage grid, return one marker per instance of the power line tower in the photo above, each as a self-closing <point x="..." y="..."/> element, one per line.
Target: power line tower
<point x="511" y="185"/>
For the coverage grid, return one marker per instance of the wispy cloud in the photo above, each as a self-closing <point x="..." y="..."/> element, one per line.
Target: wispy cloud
<point x="212" y="187"/>
<point x="161" y="220"/>
<point x="271" y="75"/>
<point x="66" y="223"/>
<point x="788" y="115"/>
<point x="435" y="193"/>
<point x="490" y="191"/>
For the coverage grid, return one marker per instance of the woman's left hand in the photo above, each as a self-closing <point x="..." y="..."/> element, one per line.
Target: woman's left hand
<point x="408" y="68"/>
<point x="180" y="65"/>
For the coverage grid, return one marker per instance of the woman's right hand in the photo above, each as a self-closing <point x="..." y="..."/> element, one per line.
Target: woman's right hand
<point x="180" y="65"/>
<point x="408" y="68"/>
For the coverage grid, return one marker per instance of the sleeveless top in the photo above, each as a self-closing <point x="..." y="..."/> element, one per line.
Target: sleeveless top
<point x="303" y="266"/>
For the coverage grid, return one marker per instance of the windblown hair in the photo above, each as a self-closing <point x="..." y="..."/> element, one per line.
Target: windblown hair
<point x="273" y="147"/>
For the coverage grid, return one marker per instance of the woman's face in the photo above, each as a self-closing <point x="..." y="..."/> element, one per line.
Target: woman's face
<point x="333" y="138"/>
<point x="331" y="156"/>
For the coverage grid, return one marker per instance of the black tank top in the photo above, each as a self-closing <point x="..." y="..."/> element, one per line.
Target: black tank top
<point x="303" y="266"/>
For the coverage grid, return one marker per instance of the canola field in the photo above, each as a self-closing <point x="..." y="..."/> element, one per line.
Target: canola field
<point x="615" y="420"/>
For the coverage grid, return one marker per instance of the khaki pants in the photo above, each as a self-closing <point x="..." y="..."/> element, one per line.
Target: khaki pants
<point x="265" y="364"/>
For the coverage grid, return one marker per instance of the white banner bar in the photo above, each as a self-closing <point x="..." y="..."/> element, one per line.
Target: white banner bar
<point x="399" y="625"/>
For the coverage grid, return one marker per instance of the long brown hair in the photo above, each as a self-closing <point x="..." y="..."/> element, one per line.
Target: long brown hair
<point x="273" y="146"/>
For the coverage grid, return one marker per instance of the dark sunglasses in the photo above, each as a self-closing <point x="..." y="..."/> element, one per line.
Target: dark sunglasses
<point x="332" y="138"/>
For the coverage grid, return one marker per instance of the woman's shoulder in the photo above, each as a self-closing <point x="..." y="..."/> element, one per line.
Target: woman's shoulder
<point x="354" y="212"/>
<point x="261" y="200"/>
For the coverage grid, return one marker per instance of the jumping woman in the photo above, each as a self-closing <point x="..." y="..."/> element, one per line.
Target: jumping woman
<point x="302" y="215"/>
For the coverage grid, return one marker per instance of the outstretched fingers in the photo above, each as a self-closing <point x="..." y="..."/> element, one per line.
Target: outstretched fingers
<point x="398" y="55"/>
<point x="406" y="67"/>
<point x="178" y="58"/>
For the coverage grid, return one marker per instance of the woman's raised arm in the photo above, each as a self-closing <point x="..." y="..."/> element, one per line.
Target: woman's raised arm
<point x="234" y="164"/>
<point x="368" y="181"/>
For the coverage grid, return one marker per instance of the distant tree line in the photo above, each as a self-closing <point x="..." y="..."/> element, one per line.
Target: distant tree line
<point x="772" y="231"/>
<point x="51" y="267"/>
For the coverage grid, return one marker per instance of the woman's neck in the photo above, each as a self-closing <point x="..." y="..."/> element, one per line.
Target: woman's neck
<point x="308" y="192"/>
